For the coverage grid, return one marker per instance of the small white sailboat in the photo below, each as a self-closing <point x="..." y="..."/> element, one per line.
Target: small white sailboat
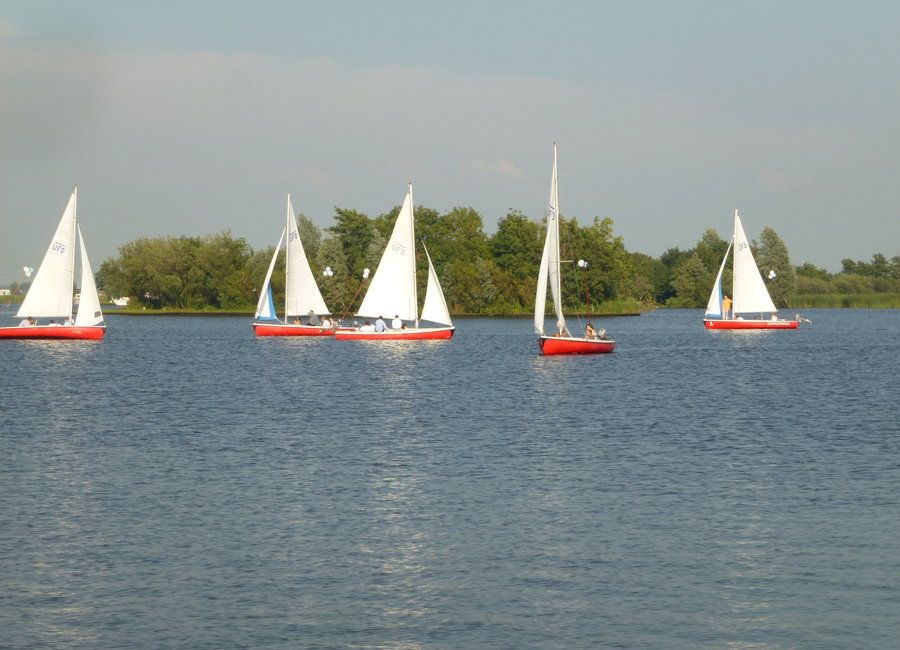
<point x="562" y="341"/>
<point x="752" y="305"/>
<point x="301" y="295"/>
<point x="392" y="293"/>
<point x="51" y="294"/>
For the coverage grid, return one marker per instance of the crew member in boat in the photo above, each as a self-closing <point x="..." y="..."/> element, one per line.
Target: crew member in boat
<point x="326" y="322"/>
<point x="726" y="306"/>
<point x="27" y="322"/>
<point x="561" y="328"/>
<point x="380" y="325"/>
<point x="366" y="327"/>
<point x="312" y="319"/>
<point x="396" y="323"/>
<point x="774" y="317"/>
<point x="69" y="322"/>
<point x="590" y="332"/>
<point x="297" y="321"/>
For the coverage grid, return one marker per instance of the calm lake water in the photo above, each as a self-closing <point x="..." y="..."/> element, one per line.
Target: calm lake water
<point x="183" y="484"/>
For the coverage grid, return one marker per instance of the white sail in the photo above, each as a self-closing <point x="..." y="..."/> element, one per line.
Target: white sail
<point x="393" y="288"/>
<point x="301" y="291"/>
<point x="750" y="293"/>
<point x="549" y="269"/>
<point x="540" y="297"/>
<point x="435" y="307"/>
<point x="265" y="307"/>
<point x="89" y="312"/>
<point x="51" y="291"/>
<point x="714" y="306"/>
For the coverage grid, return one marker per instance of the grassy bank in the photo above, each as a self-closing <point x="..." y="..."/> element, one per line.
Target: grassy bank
<point x="847" y="300"/>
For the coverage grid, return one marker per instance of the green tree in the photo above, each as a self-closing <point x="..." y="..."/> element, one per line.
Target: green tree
<point x="311" y="236"/>
<point x="772" y="255"/>
<point x="355" y="231"/>
<point x="339" y="287"/>
<point x="516" y="251"/>
<point x="692" y="282"/>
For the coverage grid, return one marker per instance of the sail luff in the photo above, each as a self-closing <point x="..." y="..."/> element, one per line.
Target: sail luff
<point x="265" y="309"/>
<point x="750" y="293"/>
<point x="52" y="289"/>
<point x="89" y="311"/>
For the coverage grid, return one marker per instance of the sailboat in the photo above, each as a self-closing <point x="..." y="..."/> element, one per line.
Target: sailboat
<point x="392" y="293"/>
<point x="561" y="341"/>
<point x="51" y="295"/>
<point x="753" y="306"/>
<point x="301" y="294"/>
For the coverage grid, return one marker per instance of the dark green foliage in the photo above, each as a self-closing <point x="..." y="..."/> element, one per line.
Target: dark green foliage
<point x="480" y="274"/>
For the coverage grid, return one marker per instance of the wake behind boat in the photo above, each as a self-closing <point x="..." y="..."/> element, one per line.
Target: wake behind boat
<point x="392" y="293"/>
<point x="301" y="293"/>
<point x="752" y="305"/>
<point x="561" y="341"/>
<point x="51" y="295"/>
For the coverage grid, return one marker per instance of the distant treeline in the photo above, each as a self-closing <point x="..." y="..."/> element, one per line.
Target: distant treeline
<point x="480" y="274"/>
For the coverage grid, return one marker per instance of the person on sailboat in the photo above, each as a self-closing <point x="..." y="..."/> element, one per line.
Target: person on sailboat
<point x="396" y="323"/>
<point x="726" y="306"/>
<point x="380" y="325"/>
<point x="366" y="327"/>
<point x="312" y="319"/>
<point x="69" y="322"/>
<point x="590" y="332"/>
<point x="562" y="330"/>
<point x="27" y="322"/>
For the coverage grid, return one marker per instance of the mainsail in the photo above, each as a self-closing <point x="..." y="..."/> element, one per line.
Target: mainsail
<point x="51" y="291"/>
<point x="750" y="293"/>
<point x="549" y="269"/>
<point x="393" y="288"/>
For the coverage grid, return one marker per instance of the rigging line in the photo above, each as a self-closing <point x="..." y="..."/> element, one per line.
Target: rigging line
<point x="784" y="300"/>
<point x="352" y="300"/>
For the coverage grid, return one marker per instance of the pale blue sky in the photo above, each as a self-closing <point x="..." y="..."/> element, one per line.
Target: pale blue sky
<point x="191" y="117"/>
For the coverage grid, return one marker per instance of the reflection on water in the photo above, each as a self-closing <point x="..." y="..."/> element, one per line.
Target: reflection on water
<point x="184" y="483"/>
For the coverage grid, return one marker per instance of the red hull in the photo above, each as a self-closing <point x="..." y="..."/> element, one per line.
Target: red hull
<point x="286" y="329"/>
<point x="94" y="332"/>
<point x="750" y="324"/>
<point x="413" y="334"/>
<point x="567" y="345"/>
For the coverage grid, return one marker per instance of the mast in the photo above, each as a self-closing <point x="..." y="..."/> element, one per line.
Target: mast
<point x="553" y="226"/>
<point x="287" y="257"/>
<point x="412" y="229"/>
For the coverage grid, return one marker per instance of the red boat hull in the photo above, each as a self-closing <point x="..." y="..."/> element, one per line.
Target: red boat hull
<point x="93" y="332"/>
<point x="718" y="324"/>
<point x="411" y="334"/>
<point x="287" y="329"/>
<point x="569" y="345"/>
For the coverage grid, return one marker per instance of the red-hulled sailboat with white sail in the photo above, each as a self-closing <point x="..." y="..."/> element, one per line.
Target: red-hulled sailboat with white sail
<point x="561" y="341"/>
<point x="751" y="305"/>
<point x="392" y="294"/>
<point x="51" y="294"/>
<point x="302" y="298"/>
